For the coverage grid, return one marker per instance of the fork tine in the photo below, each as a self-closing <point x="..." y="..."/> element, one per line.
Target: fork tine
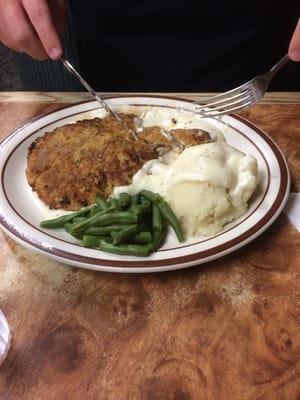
<point x="244" y="95"/>
<point x="217" y="113"/>
<point x="238" y="89"/>
<point x="229" y="104"/>
<point x="222" y="103"/>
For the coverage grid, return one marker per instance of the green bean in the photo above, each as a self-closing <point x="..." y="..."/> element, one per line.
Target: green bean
<point x="68" y="228"/>
<point x="154" y="197"/>
<point x="114" y="203"/>
<point x="136" y="208"/>
<point x="157" y="222"/>
<point x="145" y="201"/>
<point x="125" y="235"/>
<point x="93" y="211"/>
<point x="105" y="230"/>
<point x="158" y="238"/>
<point x="78" y="219"/>
<point x="127" y="225"/>
<point x="101" y="202"/>
<point x="60" y="222"/>
<point x="166" y="211"/>
<point x="135" y="199"/>
<point x="169" y="215"/>
<point x="81" y="226"/>
<point x="137" y="250"/>
<point x="146" y="204"/>
<point x="124" y="200"/>
<point x="158" y="232"/>
<point x="142" y="238"/>
<point x="145" y="225"/>
<point x="141" y="209"/>
<point x="121" y="217"/>
<point x="92" y="241"/>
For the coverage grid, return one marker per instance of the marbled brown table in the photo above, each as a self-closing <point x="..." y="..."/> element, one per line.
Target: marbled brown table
<point x="229" y="329"/>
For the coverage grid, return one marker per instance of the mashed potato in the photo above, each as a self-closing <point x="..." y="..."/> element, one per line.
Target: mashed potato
<point x="207" y="186"/>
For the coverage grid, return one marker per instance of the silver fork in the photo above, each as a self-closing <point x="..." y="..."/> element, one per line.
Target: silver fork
<point x="241" y="97"/>
<point x="69" y="67"/>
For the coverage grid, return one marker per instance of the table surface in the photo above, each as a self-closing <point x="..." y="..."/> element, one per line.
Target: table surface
<point x="225" y="330"/>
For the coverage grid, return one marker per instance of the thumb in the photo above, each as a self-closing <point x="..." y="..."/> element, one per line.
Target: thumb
<point x="294" y="48"/>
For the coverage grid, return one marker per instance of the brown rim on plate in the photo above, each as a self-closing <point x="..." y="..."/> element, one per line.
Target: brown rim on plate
<point x="161" y="250"/>
<point x="144" y="263"/>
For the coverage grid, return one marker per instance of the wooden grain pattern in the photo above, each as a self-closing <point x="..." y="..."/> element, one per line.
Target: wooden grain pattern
<point x="12" y="116"/>
<point x="229" y="330"/>
<point x="226" y="330"/>
<point x="283" y="124"/>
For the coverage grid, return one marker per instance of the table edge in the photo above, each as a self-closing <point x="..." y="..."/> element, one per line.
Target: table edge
<point x="73" y="97"/>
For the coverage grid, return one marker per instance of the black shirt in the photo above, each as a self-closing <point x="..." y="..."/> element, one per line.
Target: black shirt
<point x="183" y="45"/>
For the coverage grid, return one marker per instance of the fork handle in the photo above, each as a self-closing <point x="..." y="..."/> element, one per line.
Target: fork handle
<point x="279" y="65"/>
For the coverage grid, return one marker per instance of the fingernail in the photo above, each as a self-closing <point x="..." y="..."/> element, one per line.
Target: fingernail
<point x="55" y="53"/>
<point x="295" y="55"/>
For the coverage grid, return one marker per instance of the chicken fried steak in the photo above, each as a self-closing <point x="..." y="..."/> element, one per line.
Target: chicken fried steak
<point x="68" y="166"/>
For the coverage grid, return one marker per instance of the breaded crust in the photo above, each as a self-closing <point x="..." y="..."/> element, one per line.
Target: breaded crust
<point x="187" y="137"/>
<point x="68" y="166"/>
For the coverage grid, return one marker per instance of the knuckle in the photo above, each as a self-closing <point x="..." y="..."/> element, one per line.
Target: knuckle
<point x="21" y="38"/>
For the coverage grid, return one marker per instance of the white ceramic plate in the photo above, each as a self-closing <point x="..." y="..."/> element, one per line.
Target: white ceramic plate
<point x="20" y="217"/>
<point x="5" y="337"/>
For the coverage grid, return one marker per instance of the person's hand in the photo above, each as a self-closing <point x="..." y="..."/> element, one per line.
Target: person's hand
<point x="32" y="27"/>
<point x="294" y="49"/>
